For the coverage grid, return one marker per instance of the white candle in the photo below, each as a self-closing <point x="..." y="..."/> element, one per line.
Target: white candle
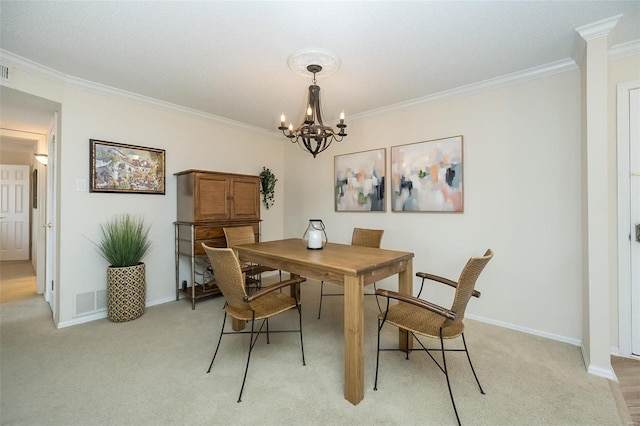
<point x="315" y="239"/>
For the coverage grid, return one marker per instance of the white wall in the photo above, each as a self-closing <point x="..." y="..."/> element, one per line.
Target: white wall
<point x="522" y="199"/>
<point x="190" y="141"/>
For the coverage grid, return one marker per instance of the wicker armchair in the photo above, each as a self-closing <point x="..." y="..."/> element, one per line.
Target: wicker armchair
<point x="260" y="305"/>
<point x="237" y="235"/>
<point x="418" y="316"/>
<point x="364" y="238"/>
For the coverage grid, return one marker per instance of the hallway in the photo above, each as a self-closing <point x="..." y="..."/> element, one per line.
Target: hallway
<point x="17" y="281"/>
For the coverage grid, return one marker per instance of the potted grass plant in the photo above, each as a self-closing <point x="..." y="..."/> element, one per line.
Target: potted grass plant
<point x="124" y="241"/>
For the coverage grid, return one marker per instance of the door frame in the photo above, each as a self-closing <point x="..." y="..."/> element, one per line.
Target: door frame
<point x="37" y="220"/>
<point x="50" y="226"/>
<point x="624" y="217"/>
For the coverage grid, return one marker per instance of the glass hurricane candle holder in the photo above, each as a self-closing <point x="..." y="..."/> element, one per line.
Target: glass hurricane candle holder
<point x="315" y="237"/>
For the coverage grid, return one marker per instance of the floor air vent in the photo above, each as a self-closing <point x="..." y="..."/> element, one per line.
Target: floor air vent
<point x="91" y="302"/>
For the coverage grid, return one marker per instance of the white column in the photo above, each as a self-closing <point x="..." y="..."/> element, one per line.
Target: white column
<point x="596" y="314"/>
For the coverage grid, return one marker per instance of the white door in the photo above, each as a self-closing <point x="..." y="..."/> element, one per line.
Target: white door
<point x="634" y="187"/>
<point x="50" y="272"/>
<point x="14" y="212"/>
<point x="628" y="147"/>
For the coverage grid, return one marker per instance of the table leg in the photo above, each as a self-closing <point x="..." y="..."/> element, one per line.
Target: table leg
<point x="238" y="325"/>
<point x="353" y="339"/>
<point x="294" y="290"/>
<point x="405" y="285"/>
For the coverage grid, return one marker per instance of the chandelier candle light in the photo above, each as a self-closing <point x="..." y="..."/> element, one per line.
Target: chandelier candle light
<point x="313" y="135"/>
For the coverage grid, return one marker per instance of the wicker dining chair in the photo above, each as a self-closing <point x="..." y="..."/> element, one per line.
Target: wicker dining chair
<point x="237" y="235"/>
<point x="364" y="238"/>
<point x="418" y="316"/>
<point x="261" y="305"/>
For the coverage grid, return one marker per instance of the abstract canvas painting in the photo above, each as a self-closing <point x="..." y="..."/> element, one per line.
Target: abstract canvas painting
<point x="359" y="183"/>
<point x="427" y="176"/>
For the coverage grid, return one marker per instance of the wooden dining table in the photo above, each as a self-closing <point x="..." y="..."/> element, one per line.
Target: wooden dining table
<point x="350" y="266"/>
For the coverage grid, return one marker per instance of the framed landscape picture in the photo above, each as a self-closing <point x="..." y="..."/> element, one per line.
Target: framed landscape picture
<point x="359" y="181"/>
<point x="116" y="167"/>
<point x="427" y="176"/>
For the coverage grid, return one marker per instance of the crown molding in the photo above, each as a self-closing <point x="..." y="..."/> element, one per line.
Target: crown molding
<point x="589" y="32"/>
<point x="624" y="49"/>
<point x="598" y="29"/>
<point x="551" y="68"/>
<point x="563" y="65"/>
<point x="50" y="74"/>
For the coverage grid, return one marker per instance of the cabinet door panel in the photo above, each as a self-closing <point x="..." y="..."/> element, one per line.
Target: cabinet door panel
<point x="246" y="199"/>
<point x="212" y="193"/>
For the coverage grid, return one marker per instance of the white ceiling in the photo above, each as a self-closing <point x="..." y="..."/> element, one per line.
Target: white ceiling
<point x="229" y="59"/>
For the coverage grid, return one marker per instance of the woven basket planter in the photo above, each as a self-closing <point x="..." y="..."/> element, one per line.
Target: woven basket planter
<point x="126" y="292"/>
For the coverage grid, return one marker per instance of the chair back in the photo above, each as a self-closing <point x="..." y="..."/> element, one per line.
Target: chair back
<point x="466" y="285"/>
<point x="367" y="237"/>
<point x="237" y="235"/>
<point x="228" y="274"/>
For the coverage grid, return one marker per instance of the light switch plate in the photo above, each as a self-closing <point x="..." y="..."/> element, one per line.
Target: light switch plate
<point x="81" y="185"/>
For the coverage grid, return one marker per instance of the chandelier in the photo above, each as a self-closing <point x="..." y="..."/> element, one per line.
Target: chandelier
<point x="313" y="135"/>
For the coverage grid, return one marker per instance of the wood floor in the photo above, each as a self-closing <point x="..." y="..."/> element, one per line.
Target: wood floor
<point x="628" y="372"/>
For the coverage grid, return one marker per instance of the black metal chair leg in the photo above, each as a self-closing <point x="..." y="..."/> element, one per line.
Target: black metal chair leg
<point x="472" y="369"/>
<point x="377" y="300"/>
<point x="300" y="324"/>
<point x="375" y="383"/>
<point x="407" y="343"/>
<point x="320" y="306"/>
<point x="219" y="340"/>
<point x="267" y="331"/>
<point x="248" y="359"/>
<point x="421" y="286"/>
<point x="446" y="373"/>
<point x="380" y="324"/>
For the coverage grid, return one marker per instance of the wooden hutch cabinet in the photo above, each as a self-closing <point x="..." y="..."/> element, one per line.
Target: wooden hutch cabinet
<point x="208" y="202"/>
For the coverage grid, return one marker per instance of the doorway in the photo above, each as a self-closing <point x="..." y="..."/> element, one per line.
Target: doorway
<point x="28" y="119"/>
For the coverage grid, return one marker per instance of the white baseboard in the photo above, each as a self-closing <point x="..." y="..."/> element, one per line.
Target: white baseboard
<point x="557" y="337"/>
<point x="103" y="314"/>
<point x="84" y="318"/>
<point x="607" y="373"/>
<point x="160" y="301"/>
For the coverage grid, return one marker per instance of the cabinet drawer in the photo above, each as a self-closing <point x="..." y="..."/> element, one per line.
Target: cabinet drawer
<point x="217" y="243"/>
<point x="209" y="232"/>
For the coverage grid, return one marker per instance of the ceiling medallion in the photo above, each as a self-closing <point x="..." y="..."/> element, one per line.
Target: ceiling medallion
<point x="329" y="61"/>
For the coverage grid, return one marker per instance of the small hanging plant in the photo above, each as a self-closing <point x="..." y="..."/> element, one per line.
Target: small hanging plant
<point x="267" y="187"/>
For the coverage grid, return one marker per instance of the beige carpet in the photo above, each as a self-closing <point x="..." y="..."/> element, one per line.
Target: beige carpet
<point x="151" y="371"/>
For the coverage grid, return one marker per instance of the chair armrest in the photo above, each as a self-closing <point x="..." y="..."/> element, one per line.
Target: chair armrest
<point x="271" y="288"/>
<point x="443" y="280"/>
<point x="447" y="313"/>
